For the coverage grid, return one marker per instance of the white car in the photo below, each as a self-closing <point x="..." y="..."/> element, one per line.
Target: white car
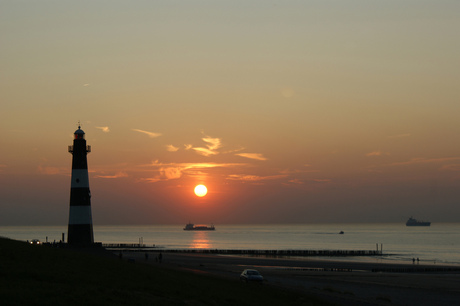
<point x="251" y="275"/>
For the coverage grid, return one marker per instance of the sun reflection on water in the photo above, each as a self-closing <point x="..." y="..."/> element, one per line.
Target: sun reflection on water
<point x="200" y="240"/>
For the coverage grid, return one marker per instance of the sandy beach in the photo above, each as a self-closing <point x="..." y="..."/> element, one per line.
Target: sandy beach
<point x="340" y="281"/>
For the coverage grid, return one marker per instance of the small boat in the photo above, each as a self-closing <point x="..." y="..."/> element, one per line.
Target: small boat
<point x="415" y="222"/>
<point x="341" y="233"/>
<point x="193" y="227"/>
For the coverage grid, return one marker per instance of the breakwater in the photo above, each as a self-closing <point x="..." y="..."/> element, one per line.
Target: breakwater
<point x="126" y="246"/>
<point x="281" y="252"/>
<point x="143" y="248"/>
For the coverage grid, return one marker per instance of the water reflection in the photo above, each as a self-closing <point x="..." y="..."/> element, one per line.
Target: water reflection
<point x="200" y="240"/>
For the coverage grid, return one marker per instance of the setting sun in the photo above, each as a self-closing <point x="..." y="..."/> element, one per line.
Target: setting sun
<point x="201" y="190"/>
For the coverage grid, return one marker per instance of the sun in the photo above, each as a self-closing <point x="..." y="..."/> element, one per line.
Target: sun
<point x="201" y="190"/>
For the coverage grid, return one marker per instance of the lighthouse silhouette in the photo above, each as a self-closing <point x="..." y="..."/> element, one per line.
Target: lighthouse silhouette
<point x="80" y="231"/>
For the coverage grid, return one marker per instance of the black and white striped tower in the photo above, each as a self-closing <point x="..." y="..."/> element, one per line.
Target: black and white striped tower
<point x="80" y="231"/>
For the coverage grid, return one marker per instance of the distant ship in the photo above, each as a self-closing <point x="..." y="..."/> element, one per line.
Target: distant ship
<point x="193" y="227"/>
<point x="414" y="222"/>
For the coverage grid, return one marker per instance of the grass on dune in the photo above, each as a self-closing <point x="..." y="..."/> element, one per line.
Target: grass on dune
<point x="43" y="275"/>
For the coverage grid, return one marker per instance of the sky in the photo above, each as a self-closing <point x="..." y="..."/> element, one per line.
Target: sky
<point x="288" y="111"/>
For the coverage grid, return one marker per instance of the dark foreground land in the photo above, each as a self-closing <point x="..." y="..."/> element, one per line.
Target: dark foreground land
<point x="337" y="280"/>
<point x="40" y="275"/>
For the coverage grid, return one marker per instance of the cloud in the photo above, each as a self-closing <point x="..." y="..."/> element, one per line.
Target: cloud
<point x="171" y="148"/>
<point x="298" y="171"/>
<point x="377" y="153"/>
<point x="254" y="178"/>
<point x="212" y="143"/>
<point x="150" y="134"/>
<point x="451" y="167"/>
<point x="168" y="171"/>
<point x="296" y="181"/>
<point x="234" y="150"/>
<point x="117" y="175"/>
<point x="51" y="170"/>
<point x="187" y="166"/>
<point x="105" y="129"/>
<point x="205" y="151"/>
<point x="322" y="180"/>
<point x="256" y="156"/>
<point x="171" y="173"/>
<point x="151" y="179"/>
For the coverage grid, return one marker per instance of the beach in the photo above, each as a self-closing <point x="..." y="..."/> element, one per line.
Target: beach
<point x="388" y="279"/>
<point x="342" y="282"/>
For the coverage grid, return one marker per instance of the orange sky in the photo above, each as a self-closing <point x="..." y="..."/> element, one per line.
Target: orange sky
<point x="296" y="111"/>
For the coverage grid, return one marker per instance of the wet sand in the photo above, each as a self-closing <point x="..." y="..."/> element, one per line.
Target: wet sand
<point x="342" y="282"/>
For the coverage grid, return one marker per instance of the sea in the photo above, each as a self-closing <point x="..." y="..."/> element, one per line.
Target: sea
<point x="437" y="244"/>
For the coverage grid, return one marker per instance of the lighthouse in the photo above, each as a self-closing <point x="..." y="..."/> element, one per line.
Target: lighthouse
<point x="80" y="231"/>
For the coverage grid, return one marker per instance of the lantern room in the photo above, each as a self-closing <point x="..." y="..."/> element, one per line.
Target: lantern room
<point x="79" y="134"/>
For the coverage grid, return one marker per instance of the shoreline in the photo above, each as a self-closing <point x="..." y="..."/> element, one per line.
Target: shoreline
<point x="434" y="244"/>
<point x="342" y="255"/>
<point x="361" y="263"/>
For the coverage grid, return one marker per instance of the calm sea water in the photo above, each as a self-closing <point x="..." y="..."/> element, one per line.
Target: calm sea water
<point x="438" y="243"/>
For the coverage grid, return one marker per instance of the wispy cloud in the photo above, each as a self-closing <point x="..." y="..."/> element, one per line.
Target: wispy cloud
<point x="377" y="153"/>
<point x="151" y="179"/>
<point x="298" y="171"/>
<point x="212" y="145"/>
<point x="114" y="176"/>
<point x="105" y="129"/>
<point x="150" y="134"/>
<point x="205" y="151"/>
<point x="256" y="156"/>
<point x="171" y="173"/>
<point x="171" y="148"/>
<point x="254" y="178"/>
<point x="322" y="180"/>
<point x="233" y="150"/>
<point x="186" y="166"/>
<point x="451" y="167"/>
<point x="296" y="181"/>
<point x="47" y="170"/>
<point x="168" y="171"/>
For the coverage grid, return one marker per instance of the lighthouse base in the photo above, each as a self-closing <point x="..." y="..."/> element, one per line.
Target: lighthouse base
<point x="80" y="234"/>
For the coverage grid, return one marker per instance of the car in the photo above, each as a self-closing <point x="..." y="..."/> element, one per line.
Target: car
<point x="251" y="275"/>
<point x="35" y="241"/>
